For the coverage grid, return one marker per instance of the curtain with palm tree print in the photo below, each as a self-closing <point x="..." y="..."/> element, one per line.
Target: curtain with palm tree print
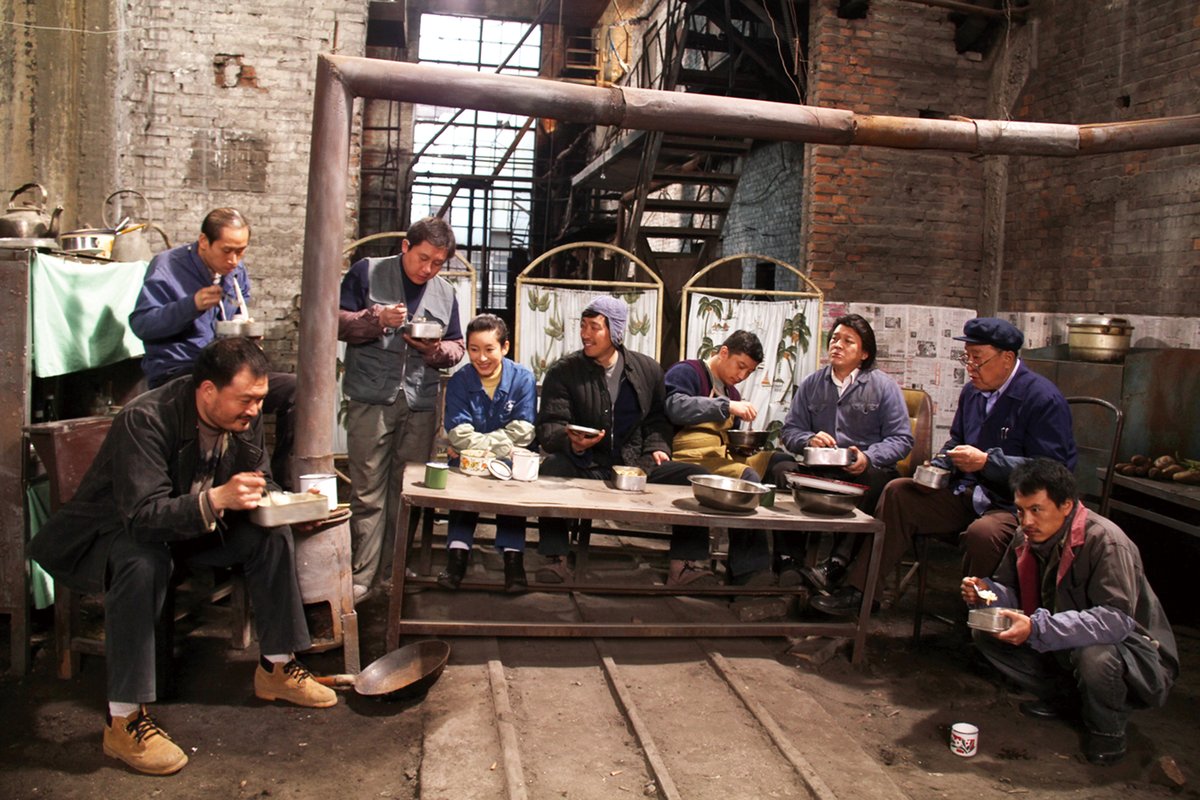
<point x="789" y="330"/>
<point x="549" y="323"/>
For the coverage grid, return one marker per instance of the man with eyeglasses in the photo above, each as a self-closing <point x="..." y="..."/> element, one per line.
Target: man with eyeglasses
<point x="391" y="379"/>
<point x="1007" y="415"/>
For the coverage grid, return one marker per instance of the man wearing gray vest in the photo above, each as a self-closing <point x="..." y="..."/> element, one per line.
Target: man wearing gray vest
<point x="391" y="379"/>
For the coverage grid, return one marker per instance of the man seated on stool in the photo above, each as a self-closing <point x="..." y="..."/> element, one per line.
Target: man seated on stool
<point x="619" y="393"/>
<point x="703" y="403"/>
<point x="1088" y="635"/>
<point x="1006" y="415"/>
<point x="187" y="290"/>
<point x="174" y="480"/>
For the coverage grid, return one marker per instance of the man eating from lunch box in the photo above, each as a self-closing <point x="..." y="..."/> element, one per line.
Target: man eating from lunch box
<point x="392" y="379"/>
<point x="1080" y="627"/>
<point x="186" y="291"/>
<point x="174" y="481"/>
<point x="1006" y="415"/>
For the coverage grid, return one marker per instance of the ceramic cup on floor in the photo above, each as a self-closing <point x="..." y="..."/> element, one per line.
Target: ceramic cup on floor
<point x="964" y="739"/>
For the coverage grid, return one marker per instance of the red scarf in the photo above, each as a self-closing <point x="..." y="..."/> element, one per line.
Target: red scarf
<point x="1027" y="570"/>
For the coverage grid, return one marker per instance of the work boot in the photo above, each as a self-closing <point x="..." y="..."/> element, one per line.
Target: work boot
<point x="456" y="567"/>
<point x="824" y="576"/>
<point x="139" y="742"/>
<point x="1049" y="709"/>
<point x="555" y="570"/>
<point x="690" y="573"/>
<point x="291" y="682"/>
<point x="514" y="571"/>
<point x="1104" y="749"/>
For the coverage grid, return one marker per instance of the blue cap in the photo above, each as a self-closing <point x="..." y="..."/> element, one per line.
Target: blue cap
<point x="990" y="330"/>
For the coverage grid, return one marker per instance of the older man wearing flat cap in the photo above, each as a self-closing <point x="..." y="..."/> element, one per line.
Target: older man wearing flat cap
<point x="1006" y="416"/>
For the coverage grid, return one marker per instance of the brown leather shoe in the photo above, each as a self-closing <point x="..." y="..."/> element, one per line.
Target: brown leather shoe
<point x="139" y="742"/>
<point x="291" y="682"/>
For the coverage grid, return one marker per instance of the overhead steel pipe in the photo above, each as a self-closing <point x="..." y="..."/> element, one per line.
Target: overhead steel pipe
<point x="342" y="78"/>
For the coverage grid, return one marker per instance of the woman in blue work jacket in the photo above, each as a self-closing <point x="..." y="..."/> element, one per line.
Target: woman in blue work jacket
<point x="491" y="407"/>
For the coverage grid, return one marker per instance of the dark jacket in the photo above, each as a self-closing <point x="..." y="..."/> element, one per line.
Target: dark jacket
<point x="1029" y="420"/>
<point x="574" y="391"/>
<point x="140" y="482"/>
<point x="1103" y="598"/>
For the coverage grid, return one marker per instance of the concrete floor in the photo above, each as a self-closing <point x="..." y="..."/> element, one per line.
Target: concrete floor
<point x="599" y="719"/>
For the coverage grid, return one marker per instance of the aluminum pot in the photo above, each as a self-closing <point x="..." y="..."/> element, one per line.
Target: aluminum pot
<point x="1099" y="338"/>
<point x="932" y="477"/>
<point x="828" y="456"/>
<point x="88" y="242"/>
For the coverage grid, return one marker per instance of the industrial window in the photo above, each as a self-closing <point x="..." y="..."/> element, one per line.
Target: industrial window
<point x="478" y="161"/>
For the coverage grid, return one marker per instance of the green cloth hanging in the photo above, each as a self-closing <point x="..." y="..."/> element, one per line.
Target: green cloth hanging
<point x="37" y="501"/>
<point x="80" y="313"/>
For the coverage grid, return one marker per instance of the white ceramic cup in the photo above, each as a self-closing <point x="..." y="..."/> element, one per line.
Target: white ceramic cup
<point x="964" y="739"/>
<point x="324" y="483"/>
<point x="525" y="464"/>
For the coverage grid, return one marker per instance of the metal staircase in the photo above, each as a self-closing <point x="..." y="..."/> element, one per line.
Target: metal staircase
<point x="665" y="196"/>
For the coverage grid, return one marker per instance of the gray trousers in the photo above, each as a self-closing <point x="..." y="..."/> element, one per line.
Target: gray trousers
<point x="1094" y="677"/>
<point x="380" y="439"/>
<point x="139" y="577"/>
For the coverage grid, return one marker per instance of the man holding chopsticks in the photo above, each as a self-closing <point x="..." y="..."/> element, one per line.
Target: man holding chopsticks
<point x="187" y="290"/>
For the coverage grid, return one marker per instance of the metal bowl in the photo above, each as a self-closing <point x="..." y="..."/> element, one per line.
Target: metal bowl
<point x="726" y="494"/>
<point x="745" y="443"/>
<point x="629" y="479"/>
<point x="816" y="501"/>
<point x="828" y="456"/>
<point x="931" y="476"/>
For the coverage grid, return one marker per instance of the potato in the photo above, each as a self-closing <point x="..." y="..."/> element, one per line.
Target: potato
<point x="1141" y="470"/>
<point x="1139" y="460"/>
<point x="1154" y="474"/>
<point x="1168" y="472"/>
<point x="1162" y="462"/>
<point x="1188" y="476"/>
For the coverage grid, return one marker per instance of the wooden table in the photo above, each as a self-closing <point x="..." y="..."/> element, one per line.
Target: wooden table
<point x="1168" y="503"/>
<point x="574" y="498"/>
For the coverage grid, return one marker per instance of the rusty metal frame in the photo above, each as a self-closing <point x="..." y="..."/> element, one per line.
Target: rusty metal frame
<point x="340" y="79"/>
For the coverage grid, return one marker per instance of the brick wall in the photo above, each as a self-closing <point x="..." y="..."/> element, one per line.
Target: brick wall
<point x="1116" y="233"/>
<point x="765" y="214"/>
<point x="893" y="226"/>
<point x="215" y="108"/>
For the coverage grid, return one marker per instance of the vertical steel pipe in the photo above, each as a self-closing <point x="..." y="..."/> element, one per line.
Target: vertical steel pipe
<point x="324" y="233"/>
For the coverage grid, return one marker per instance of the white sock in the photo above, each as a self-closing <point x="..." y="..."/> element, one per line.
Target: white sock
<point x="459" y="546"/>
<point x="278" y="659"/>
<point x="511" y="550"/>
<point x="122" y="709"/>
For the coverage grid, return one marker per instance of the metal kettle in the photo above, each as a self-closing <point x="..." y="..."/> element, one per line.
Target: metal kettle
<point x="28" y="221"/>
<point x="130" y="243"/>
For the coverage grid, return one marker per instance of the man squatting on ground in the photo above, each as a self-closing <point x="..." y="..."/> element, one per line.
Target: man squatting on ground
<point x="391" y="379"/>
<point x="186" y="290"/>
<point x="619" y="393"/>
<point x="1088" y="635"/>
<point x="1006" y="414"/>
<point x="173" y="481"/>
<point x="703" y="403"/>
